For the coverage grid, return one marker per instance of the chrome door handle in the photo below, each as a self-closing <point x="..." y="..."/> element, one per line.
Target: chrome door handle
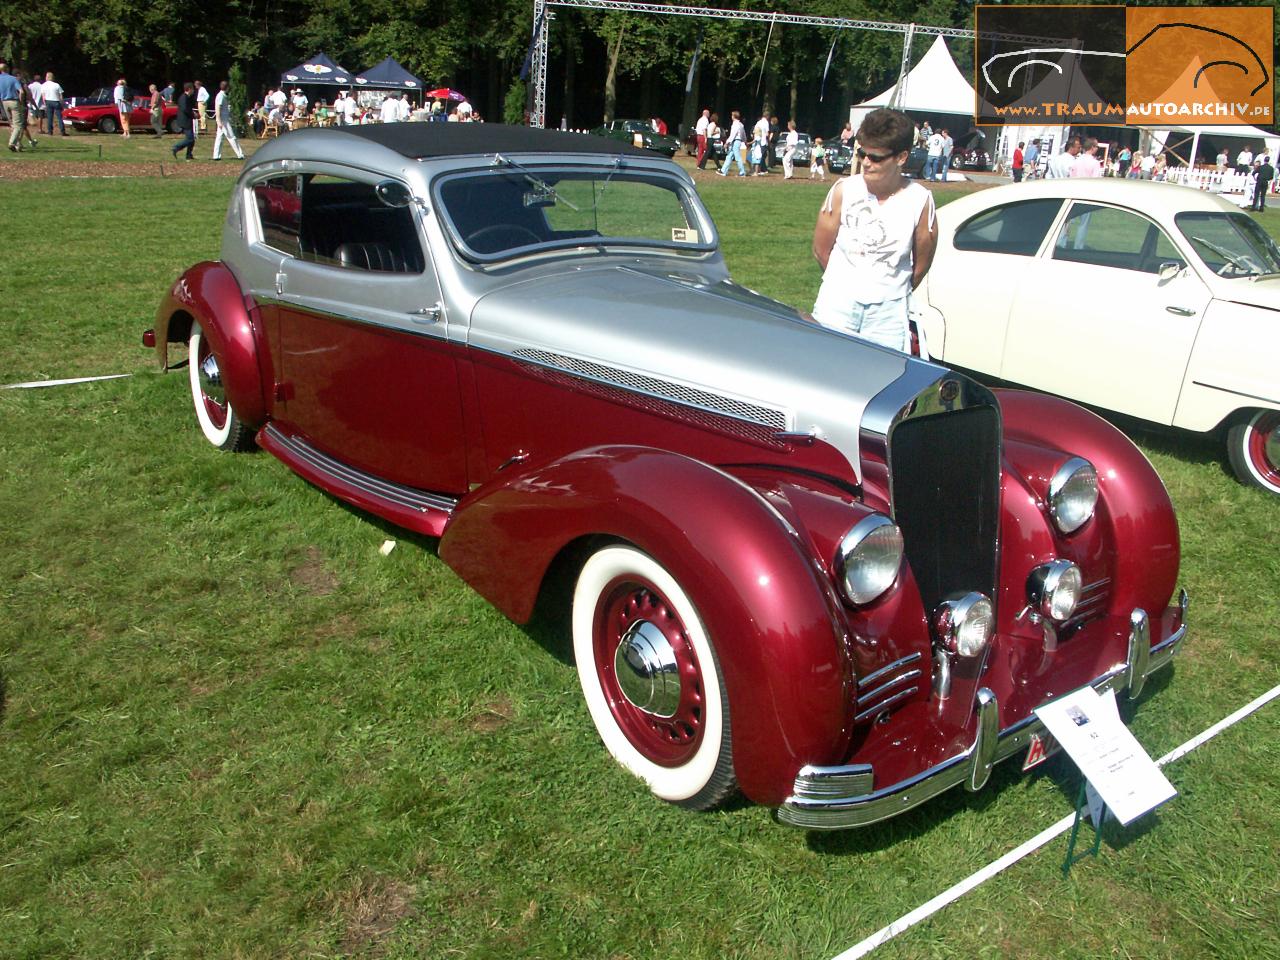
<point x="1181" y="311"/>
<point x="429" y="314"/>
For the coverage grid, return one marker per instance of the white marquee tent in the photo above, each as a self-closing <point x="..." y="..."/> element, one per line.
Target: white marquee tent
<point x="934" y="85"/>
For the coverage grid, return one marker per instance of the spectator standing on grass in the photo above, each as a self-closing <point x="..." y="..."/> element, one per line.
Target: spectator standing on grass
<point x="846" y="135"/>
<point x="1030" y="159"/>
<point x="24" y="108"/>
<point x="222" y="117"/>
<point x="791" y="144"/>
<point x="1264" y="173"/>
<point x="934" y="156"/>
<point x="36" y="99"/>
<point x="948" y="145"/>
<point x="1019" y="162"/>
<point x="760" y="142"/>
<point x="1148" y="166"/>
<point x="202" y="106"/>
<point x="818" y="160"/>
<point x="390" y="111"/>
<point x="10" y="100"/>
<point x="157" y="111"/>
<point x="186" y="122"/>
<point x="1244" y="161"/>
<point x="120" y="98"/>
<point x="875" y="237"/>
<point x="733" y="145"/>
<point x="1087" y="164"/>
<point x="51" y="94"/>
<point x="1223" y="159"/>
<point x="700" y="134"/>
<point x="1060" y="166"/>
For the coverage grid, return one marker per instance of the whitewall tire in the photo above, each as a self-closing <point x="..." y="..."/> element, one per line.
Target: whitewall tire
<point x="1253" y="447"/>
<point x="218" y="421"/>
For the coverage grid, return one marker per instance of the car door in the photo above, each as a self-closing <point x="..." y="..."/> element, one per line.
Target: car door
<point x="364" y="365"/>
<point x="1094" y="320"/>
<point x="973" y="281"/>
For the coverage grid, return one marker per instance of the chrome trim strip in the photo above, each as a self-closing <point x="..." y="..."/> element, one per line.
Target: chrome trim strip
<point x="892" y="682"/>
<point x="655" y="387"/>
<point x="814" y="804"/>
<point x="383" y="489"/>
<point x="885" y="704"/>
<point x="889" y="668"/>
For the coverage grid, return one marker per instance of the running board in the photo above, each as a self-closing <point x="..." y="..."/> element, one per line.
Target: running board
<point x="408" y="507"/>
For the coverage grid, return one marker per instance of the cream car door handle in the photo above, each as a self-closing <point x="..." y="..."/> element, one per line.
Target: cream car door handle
<point x="429" y="314"/>
<point x="1181" y="311"/>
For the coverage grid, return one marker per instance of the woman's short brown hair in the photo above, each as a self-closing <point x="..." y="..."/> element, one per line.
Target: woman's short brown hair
<point x="887" y="128"/>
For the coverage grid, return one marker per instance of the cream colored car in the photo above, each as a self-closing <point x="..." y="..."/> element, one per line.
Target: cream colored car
<point x="1149" y="299"/>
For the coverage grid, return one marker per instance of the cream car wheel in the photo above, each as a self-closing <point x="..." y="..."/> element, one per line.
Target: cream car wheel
<point x="651" y="678"/>
<point x="218" y="421"/>
<point x="1253" y="446"/>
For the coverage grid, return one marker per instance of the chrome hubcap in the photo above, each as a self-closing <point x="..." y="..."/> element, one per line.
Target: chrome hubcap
<point x="646" y="668"/>
<point x="211" y="380"/>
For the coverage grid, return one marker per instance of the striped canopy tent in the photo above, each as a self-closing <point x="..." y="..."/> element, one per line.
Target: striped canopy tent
<point x="388" y="75"/>
<point x="319" y="70"/>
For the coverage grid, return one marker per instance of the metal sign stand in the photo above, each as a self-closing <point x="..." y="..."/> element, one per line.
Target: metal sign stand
<point x="1082" y="810"/>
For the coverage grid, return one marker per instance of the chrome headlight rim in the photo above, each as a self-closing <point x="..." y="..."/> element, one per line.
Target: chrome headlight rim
<point x="859" y="536"/>
<point x="965" y="624"/>
<point x="1070" y="513"/>
<point x="1050" y="585"/>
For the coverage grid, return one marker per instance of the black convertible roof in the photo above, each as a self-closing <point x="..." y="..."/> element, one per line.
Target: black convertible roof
<point x="418" y="140"/>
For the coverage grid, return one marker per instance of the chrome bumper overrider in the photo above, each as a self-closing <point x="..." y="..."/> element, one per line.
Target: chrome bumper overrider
<point x="835" y="798"/>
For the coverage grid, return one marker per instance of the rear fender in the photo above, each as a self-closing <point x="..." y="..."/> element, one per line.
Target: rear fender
<point x="209" y="294"/>
<point x="771" y="613"/>
<point x="1141" y="527"/>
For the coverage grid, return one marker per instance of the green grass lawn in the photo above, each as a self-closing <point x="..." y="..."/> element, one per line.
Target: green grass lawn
<point x="231" y="727"/>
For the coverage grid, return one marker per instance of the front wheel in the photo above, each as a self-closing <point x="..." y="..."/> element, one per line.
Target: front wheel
<point x="218" y="421"/>
<point x="108" y="125"/>
<point x="172" y="126"/>
<point x="1253" y="447"/>
<point x="651" y="679"/>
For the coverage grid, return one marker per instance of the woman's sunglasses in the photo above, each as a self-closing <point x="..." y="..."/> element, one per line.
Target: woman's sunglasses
<point x="874" y="157"/>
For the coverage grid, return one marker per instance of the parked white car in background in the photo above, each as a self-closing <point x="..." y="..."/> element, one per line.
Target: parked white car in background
<point x="1149" y="299"/>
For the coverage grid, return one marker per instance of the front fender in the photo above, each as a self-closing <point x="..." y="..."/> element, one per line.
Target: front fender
<point x="770" y="612"/>
<point x="209" y="294"/>
<point x="1143" y="529"/>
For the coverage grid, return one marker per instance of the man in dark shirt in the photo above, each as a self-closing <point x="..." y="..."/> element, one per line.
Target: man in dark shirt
<point x="1264" y="174"/>
<point x="186" y="122"/>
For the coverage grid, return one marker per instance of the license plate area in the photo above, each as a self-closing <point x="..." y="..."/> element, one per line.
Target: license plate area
<point x="1042" y="747"/>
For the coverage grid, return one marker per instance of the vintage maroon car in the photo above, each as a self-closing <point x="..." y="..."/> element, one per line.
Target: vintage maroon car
<point x="105" y="117"/>
<point x="833" y="576"/>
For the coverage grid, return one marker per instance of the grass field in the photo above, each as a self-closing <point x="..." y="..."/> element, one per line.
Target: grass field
<point x="231" y="727"/>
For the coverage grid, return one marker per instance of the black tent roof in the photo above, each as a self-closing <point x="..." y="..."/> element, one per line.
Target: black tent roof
<point x="319" y="69"/>
<point x="418" y="140"/>
<point x="388" y="75"/>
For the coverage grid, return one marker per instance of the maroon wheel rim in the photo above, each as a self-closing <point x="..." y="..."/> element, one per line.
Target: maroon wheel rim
<point x="1265" y="462"/>
<point x="666" y="741"/>
<point x="215" y="408"/>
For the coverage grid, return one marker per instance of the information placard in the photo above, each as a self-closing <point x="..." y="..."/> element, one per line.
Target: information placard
<point x="1088" y="727"/>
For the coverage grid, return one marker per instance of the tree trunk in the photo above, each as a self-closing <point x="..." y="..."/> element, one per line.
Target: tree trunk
<point x="795" y="89"/>
<point x="689" y="115"/>
<point x="611" y="78"/>
<point x="720" y="94"/>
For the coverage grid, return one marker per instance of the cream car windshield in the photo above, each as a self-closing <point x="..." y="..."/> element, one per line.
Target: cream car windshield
<point x="495" y="214"/>
<point x="1230" y="244"/>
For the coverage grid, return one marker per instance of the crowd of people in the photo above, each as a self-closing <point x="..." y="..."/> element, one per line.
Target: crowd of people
<point x="279" y="110"/>
<point x="24" y="96"/>
<point x="760" y="152"/>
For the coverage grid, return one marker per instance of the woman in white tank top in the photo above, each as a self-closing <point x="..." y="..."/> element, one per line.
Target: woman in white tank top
<point x="875" y="237"/>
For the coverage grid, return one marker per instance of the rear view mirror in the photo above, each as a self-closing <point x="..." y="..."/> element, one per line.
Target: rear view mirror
<point x="1169" y="270"/>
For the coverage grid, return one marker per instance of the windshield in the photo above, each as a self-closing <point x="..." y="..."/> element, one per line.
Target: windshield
<point x="1230" y="244"/>
<point x="499" y="213"/>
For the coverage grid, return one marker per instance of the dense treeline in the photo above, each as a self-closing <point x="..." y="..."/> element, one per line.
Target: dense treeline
<point x="600" y="63"/>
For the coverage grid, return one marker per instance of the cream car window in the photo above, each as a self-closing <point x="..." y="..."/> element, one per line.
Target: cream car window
<point x="1015" y="228"/>
<point x="1110" y="237"/>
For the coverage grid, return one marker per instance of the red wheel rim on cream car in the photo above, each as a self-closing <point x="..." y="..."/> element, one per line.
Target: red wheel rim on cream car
<point x="1262" y="448"/>
<point x="650" y="677"/>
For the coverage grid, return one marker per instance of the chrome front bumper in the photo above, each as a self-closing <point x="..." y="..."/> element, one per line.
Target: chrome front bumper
<point x="836" y="798"/>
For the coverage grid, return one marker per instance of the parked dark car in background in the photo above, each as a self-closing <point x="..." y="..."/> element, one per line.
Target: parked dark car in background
<point x="973" y="154"/>
<point x="715" y="148"/>
<point x="802" y="148"/>
<point x="639" y="133"/>
<point x="840" y="159"/>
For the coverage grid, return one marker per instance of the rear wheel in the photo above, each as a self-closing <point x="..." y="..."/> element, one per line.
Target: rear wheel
<point x="1253" y="447"/>
<point x="651" y="679"/>
<point x="108" y="124"/>
<point x="172" y="125"/>
<point x="218" y="421"/>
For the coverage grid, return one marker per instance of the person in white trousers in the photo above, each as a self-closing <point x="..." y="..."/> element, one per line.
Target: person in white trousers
<point x="222" y="116"/>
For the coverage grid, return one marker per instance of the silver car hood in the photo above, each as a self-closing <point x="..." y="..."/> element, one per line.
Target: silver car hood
<point x="711" y="345"/>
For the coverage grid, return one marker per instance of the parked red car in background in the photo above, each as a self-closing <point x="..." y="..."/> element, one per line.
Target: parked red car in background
<point x="98" y="114"/>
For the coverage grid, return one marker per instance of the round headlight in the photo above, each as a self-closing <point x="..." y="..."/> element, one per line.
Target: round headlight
<point x="1053" y="589"/>
<point x="1073" y="494"/>
<point x="868" y="558"/>
<point x="964" y="624"/>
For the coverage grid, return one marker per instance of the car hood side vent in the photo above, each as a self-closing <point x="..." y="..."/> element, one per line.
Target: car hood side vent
<point x="667" y="390"/>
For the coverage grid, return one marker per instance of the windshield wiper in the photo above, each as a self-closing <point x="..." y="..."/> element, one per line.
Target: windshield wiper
<point x="1243" y="264"/>
<point x="534" y="181"/>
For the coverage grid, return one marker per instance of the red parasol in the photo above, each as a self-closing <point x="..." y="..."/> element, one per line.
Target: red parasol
<point x="444" y="93"/>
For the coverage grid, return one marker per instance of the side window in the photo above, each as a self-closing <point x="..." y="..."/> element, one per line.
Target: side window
<point x="337" y="222"/>
<point x="1016" y="228"/>
<point x="1107" y="237"/>
<point x="279" y="203"/>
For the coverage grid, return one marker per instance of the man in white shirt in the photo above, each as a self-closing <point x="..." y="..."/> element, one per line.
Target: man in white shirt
<point x="202" y="105"/>
<point x="948" y="145"/>
<point x="403" y="107"/>
<point x="934" y="159"/>
<point x="390" y="111"/>
<point x="1060" y="166"/>
<point x="222" y="117"/>
<point x="340" y="109"/>
<point x="278" y="98"/>
<point x="300" y="102"/>
<point x="700" y="132"/>
<point x="350" y="109"/>
<point x="1244" y="161"/>
<point x="51" y="95"/>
